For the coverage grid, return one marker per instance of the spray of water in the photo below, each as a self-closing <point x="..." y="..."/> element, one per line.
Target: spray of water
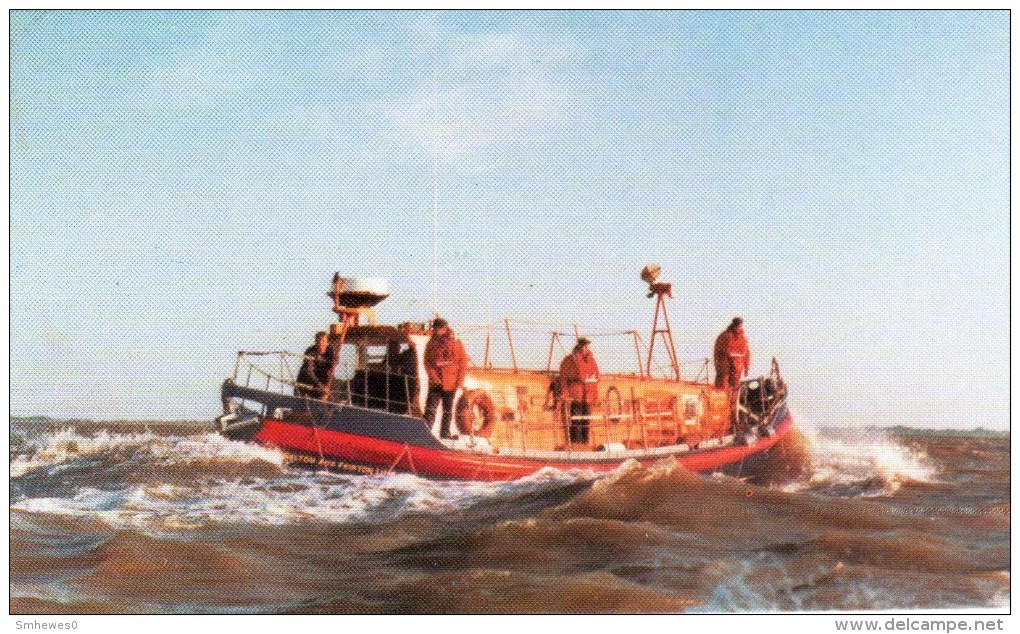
<point x="867" y="459"/>
<point x="52" y="450"/>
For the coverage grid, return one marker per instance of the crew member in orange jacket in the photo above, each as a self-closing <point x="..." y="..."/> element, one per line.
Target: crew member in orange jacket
<point x="579" y="376"/>
<point x="446" y="364"/>
<point x="732" y="357"/>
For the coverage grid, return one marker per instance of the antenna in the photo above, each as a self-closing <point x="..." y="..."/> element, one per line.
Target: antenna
<point x="435" y="236"/>
<point x="434" y="147"/>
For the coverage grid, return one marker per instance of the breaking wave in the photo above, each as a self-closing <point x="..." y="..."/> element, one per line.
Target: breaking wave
<point x="835" y="521"/>
<point x="64" y="447"/>
<point x="866" y="462"/>
<point x="147" y="481"/>
<point x="301" y="498"/>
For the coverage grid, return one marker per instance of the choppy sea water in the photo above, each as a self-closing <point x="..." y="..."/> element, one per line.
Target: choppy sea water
<point x="180" y="520"/>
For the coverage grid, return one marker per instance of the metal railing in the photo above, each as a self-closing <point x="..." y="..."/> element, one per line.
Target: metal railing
<point x="759" y="398"/>
<point x="368" y="387"/>
<point x="280" y="382"/>
<point x="634" y="422"/>
<point x="637" y="424"/>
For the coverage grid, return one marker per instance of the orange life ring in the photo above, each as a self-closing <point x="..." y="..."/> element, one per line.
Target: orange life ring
<point x="476" y="413"/>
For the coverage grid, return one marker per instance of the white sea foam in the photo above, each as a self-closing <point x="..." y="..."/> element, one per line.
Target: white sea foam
<point x="734" y="593"/>
<point x="741" y="588"/>
<point x="862" y="457"/>
<point x="252" y="498"/>
<point x="65" y="445"/>
<point x="1000" y="599"/>
<point x="57" y="448"/>
<point x="292" y="498"/>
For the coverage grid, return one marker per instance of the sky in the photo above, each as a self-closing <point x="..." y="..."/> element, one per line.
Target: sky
<point x="183" y="185"/>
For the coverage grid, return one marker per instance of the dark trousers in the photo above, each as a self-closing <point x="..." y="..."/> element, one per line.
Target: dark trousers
<point x="579" y="428"/>
<point x="729" y="379"/>
<point x="436" y="395"/>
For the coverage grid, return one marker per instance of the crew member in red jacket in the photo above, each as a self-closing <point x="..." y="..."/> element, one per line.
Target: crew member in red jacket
<point x="579" y="376"/>
<point x="446" y="364"/>
<point x="732" y="357"/>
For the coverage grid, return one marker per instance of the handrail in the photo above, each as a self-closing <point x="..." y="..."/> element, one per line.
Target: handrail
<point x="537" y="352"/>
<point x="248" y="372"/>
<point x="642" y="430"/>
<point x="265" y="353"/>
<point x="768" y="403"/>
<point x="650" y="417"/>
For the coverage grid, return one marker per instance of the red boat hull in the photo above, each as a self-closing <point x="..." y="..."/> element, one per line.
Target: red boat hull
<point x="364" y="454"/>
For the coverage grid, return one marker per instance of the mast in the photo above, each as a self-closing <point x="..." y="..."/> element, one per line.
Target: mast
<point x="434" y="165"/>
<point x="660" y="291"/>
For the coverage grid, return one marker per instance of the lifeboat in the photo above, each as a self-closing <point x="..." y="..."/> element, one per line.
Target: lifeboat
<point x="510" y="421"/>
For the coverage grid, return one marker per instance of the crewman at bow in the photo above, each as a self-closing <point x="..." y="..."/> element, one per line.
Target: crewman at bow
<point x="446" y="365"/>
